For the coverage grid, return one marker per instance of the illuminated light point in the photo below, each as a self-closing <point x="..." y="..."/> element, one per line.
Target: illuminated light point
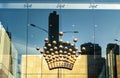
<point x="51" y="49"/>
<point x="55" y="48"/>
<point x="73" y="52"/>
<point x="67" y="42"/>
<point x="66" y="48"/>
<point x="54" y="42"/>
<point x="75" y="40"/>
<point x="49" y="45"/>
<point x="65" y="52"/>
<point x="47" y="52"/>
<point x="45" y="48"/>
<point x="61" y="33"/>
<point x="69" y="54"/>
<point x="61" y="51"/>
<point x="83" y="48"/>
<point x="60" y="55"/>
<point x="46" y="39"/>
<point x="72" y="45"/>
<point x="56" y="52"/>
<point x="70" y="50"/>
<point x="52" y="54"/>
<point x="76" y="49"/>
<point x="60" y="46"/>
<point x="60" y="41"/>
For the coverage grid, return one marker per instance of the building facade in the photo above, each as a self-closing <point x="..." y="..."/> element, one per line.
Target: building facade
<point x="6" y="60"/>
<point x="118" y="65"/>
<point x="96" y="63"/>
<point x="90" y="49"/>
<point x="53" y="28"/>
<point x="35" y="66"/>
<point x="112" y="61"/>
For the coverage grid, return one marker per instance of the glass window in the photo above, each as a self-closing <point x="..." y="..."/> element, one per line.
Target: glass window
<point x="66" y="37"/>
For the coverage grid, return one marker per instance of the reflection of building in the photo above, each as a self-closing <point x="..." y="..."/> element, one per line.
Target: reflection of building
<point x="53" y="27"/>
<point x="14" y="61"/>
<point x="89" y="49"/>
<point x="118" y="65"/>
<point x="112" y="61"/>
<point x="37" y="67"/>
<point x="19" y="71"/>
<point x="96" y="66"/>
<point x="7" y="64"/>
<point x="95" y="63"/>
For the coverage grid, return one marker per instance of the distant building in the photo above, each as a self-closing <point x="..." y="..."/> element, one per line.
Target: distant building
<point x="14" y="61"/>
<point x="95" y="63"/>
<point x="118" y="65"/>
<point x="7" y="61"/>
<point x="90" y="49"/>
<point x="53" y="28"/>
<point x="112" y="61"/>
<point x="112" y="47"/>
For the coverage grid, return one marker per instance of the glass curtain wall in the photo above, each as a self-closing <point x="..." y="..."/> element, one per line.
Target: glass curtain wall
<point x="25" y="24"/>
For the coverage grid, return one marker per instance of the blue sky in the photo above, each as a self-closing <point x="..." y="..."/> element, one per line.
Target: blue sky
<point x="107" y="21"/>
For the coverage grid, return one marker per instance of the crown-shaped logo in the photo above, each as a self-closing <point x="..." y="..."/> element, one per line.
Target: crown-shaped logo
<point x="60" y="54"/>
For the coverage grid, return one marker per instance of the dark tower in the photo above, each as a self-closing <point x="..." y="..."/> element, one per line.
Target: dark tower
<point x="95" y="63"/>
<point x="88" y="49"/>
<point x="53" y="29"/>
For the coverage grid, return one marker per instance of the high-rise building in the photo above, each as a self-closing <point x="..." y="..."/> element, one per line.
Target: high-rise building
<point x="118" y="65"/>
<point x="112" y="57"/>
<point x="95" y="63"/>
<point x="91" y="49"/>
<point x="113" y="47"/>
<point x="53" y="30"/>
<point x="5" y="57"/>
<point x="14" y="61"/>
<point x="8" y="63"/>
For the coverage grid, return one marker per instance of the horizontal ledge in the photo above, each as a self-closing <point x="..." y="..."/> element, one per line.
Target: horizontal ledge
<point x="97" y="6"/>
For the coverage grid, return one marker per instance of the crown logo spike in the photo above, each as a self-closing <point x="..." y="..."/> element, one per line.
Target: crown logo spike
<point x="60" y="54"/>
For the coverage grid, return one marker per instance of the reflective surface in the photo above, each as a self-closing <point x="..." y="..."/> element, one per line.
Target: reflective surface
<point x="95" y="23"/>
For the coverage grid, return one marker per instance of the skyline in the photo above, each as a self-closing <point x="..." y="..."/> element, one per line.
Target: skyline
<point x="82" y="21"/>
<point x="98" y="24"/>
<point x="90" y="64"/>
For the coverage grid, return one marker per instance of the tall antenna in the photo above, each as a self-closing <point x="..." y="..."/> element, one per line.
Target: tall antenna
<point x="93" y="6"/>
<point x="60" y="16"/>
<point x="27" y="6"/>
